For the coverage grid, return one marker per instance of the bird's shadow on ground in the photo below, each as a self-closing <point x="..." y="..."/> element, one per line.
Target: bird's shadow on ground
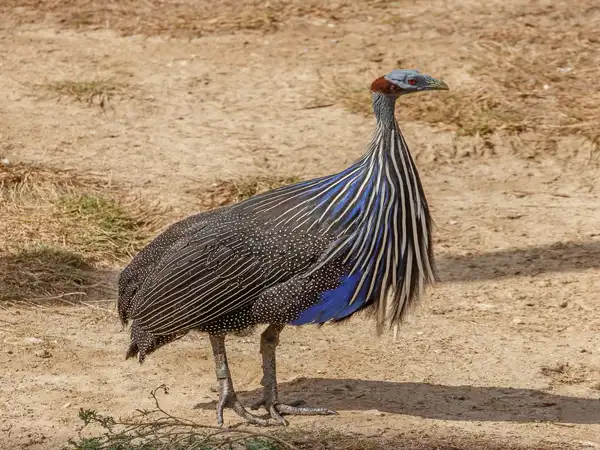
<point x="514" y="262"/>
<point x="435" y="401"/>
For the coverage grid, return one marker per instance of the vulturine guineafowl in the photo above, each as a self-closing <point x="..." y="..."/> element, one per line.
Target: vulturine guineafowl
<point x="312" y="252"/>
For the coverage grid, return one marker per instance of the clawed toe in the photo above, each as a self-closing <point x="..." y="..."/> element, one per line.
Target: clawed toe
<point x="277" y="410"/>
<point x="239" y="409"/>
<point x="272" y="410"/>
<point x="304" y="410"/>
<point x="256" y="420"/>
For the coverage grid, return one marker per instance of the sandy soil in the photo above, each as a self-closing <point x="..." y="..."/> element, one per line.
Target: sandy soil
<point x="505" y="350"/>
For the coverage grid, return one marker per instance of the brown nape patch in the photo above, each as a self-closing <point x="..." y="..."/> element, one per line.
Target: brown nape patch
<point x="382" y="85"/>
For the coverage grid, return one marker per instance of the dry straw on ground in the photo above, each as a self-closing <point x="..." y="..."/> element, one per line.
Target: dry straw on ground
<point x="57" y="225"/>
<point x="225" y="192"/>
<point x="565" y="373"/>
<point x="530" y="70"/>
<point x="186" y="18"/>
<point x="91" y="92"/>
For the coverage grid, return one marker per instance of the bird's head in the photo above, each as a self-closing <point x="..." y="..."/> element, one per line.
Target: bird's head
<point x="405" y="81"/>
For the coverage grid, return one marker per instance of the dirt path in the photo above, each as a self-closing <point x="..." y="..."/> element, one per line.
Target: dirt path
<point x="505" y="350"/>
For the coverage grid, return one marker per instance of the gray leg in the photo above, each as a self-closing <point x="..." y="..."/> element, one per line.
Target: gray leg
<point x="269" y="341"/>
<point x="227" y="396"/>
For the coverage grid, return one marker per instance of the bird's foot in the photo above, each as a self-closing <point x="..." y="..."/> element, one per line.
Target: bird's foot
<point x="277" y="409"/>
<point x="227" y="395"/>
<point x="229" y="400"/>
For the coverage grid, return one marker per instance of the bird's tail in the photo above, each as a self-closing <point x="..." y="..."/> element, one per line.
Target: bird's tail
<point x="127" y="290"/>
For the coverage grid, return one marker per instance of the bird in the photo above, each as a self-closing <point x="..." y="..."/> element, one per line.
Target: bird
<point x="312" y="252"/>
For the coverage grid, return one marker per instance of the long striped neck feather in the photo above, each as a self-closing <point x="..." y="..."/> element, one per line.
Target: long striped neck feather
<point x="377" y="210"/>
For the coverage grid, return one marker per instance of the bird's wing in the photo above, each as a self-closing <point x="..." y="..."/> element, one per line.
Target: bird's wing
<point x="220" y="269"/>
<point x="142" y="265"/>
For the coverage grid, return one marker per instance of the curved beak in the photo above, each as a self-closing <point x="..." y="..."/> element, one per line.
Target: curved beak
<point x="435" y="85"/>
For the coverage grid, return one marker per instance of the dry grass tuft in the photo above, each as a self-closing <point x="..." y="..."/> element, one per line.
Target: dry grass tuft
<point x="94" y="92"/>
<point x="43" y="272"/>
<point x="565" y="373"/>
<point x="56" y="226"/>
<point x="468" y="112"/>
<point x="109" y="228"/>
<point x="351" y="94"/>
<point x="549" y="86"/>
<point x="227" y="192"/>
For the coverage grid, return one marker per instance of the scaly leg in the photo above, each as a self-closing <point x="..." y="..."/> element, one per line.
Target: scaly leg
<point x="227" y="395"/>
<point x="269" y="340"/>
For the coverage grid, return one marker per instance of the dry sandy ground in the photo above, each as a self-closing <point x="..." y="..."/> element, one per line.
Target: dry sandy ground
<point x="505" y="350"/>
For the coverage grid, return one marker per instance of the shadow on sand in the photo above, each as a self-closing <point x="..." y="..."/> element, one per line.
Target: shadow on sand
<point x="435" y="401"/>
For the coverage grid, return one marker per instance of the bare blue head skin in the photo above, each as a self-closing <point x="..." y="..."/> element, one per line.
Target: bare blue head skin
<point x="405" y="81"/>
<point x="399" y="82"/>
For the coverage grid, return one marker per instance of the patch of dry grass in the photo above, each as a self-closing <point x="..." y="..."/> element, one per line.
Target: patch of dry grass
<point x="348" y="92"/>
<point x="469" y="112"/>
<point x="550" y="87"/>
<point x="57" y="225"/>
<point x="91" y="92"/>
<point x="226" y="192"/>
<point x="184" y="18"/>
<point x="472" y="113"/>
<point x="531" y="68"/>
<point x="43" y="272"/>
<point x="531" y="64"/>
<point x="565" y="373"/>
<point x="115" y="228"/>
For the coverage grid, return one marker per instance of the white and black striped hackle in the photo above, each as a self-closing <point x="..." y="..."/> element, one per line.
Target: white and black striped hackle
<point x="312" y="252"/>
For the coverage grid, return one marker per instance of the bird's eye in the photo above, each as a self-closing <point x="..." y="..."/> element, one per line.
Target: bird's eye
<point x="412" y="81"/>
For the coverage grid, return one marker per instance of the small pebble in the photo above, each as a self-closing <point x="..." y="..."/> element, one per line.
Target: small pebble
<point x="43" y="354"/>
